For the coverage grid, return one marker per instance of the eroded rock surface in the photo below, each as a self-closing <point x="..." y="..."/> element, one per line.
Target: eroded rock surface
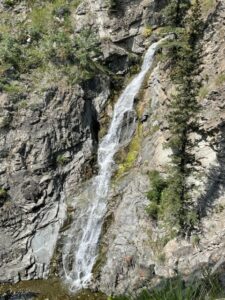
<point x="49" y="148"/>
<point x="40" y="149"/>
<point x="135" y="256"/>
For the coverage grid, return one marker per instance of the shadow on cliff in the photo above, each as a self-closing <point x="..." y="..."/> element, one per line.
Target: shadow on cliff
<point x="215" y="183"/>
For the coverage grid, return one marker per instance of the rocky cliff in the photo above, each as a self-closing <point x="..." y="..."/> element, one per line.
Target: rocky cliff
<point x="48" y="153"/>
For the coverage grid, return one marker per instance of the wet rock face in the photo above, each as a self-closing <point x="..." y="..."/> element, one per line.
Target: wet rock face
<point x="43" y="147"/>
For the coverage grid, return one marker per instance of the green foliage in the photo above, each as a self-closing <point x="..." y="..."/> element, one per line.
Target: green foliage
<point x="203" y="92"/>
<point x="5" y="121"/>
<point x="10" y="52"/>
<point x="129" y="157"/>
<point x="147" y="31"/>
<point x="220" y="79"/>
<point x="195" y="240"/>
<point x="175" y="12"/>
<point x="9" y="3"/>
<point x="59" y="48"/>
<point x="45" y="39"/>
<point x="23" y="105"/>
<point x="207" y="5"/>
<point x="176" y="289"/>
<point x="176" y="203"/>
<point x="112" y="5"/>
<point x="3" y="193"/>
<point x="3" y="196"/>
<point x="62" y="160"/>
<point x="158" y="184"/>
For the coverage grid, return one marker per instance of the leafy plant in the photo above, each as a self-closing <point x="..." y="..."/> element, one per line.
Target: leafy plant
<point x="62" y="160"/>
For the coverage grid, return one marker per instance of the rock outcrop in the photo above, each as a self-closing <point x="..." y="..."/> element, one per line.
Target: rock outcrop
<point x="43" y="148"/>
<point x="135" y="252"/>
<point x="49" y="149"/>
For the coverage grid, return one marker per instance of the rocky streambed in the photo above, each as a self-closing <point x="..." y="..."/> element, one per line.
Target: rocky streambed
<point x="51" y="289"/>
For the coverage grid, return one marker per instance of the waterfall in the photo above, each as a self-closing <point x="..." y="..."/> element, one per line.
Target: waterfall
<point x="79" y="253"/>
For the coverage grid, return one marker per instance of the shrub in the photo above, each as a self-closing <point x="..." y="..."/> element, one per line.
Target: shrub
<point x="10" y="3"/>
<point x="3" y="193"/>
<point x="10" y="52"/>
<point x="147" y="31"/>
<point x="195" y="240"/>
<point x="177" y="289"/>
<point x="62" y="160"/>
<point x="41" y="19"/>
<point x="220" y="79"/>
<point x="153" y="210"/>
<point x="61" y="11"/>
<point x="5" y="121"/>
<point x="158" y="185"/>
<point x="59" y="48"/>
<point x="3" y="196"/>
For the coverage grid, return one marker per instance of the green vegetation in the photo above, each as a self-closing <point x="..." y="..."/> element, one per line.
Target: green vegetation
<point x="3" y="196"/>
<point x="129" y="157"/>
<point x="3" y="193"/>
<point x="9" y="3"/>
<point x="147" y="31"/>
<point x="207" y="5"/>
<point x="176" y="289"/>
<point x="175" y="12"/>
<point x="33" y="49"/>
<point x="62" y="160"/>
<point x="195" y="240"/>
<point x="158" y="185"/>
<point x="52" y="289"/>
<point x="203" y="92"/>
<point x="220" y="79"/>
<point x="5" y="121"/>
<point x="112" y="5"/>
<point x="172" y="200"/>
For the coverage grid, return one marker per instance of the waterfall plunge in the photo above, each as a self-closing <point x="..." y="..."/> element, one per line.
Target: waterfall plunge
<point x="80" y="251"/>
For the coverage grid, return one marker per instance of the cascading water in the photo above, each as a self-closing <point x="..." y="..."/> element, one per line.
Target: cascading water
<point x="79" y="253"/>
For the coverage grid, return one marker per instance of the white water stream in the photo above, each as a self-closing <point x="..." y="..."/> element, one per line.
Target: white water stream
<point x="80" y="253"/>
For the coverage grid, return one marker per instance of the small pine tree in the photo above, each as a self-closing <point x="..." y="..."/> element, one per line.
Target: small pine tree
<point x="175" y="11"/>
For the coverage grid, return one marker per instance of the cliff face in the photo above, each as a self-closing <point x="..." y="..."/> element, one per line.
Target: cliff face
<point x="135" y="250"/>
<point x="49" y="142"/>
<point x="48" y="151"/>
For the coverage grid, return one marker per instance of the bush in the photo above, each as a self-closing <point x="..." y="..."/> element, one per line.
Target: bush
<point x="158" y="185"/>
<point x="177" y="289"/>
<point x="44" y="44"/>
<point x="3" y="196"/>
<point x="153" y="210"/>
<point x="9" y="3"/>
<point x="62" y="160"/>
<point x="147" y="31"/>
<point x="61" y="11"/>
<point x="10" y="52"/>
<point x="3" y="193"/>
<point x="59" y="48"/>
